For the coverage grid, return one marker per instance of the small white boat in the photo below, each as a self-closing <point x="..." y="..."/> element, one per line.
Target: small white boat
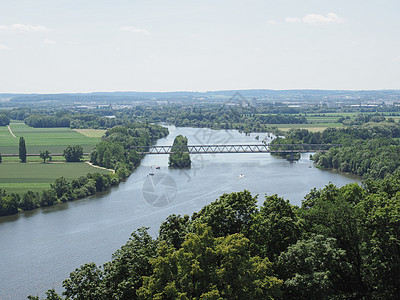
<point x="241" y="176"/>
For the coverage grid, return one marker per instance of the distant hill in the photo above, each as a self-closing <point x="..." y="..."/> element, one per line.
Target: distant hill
<point x="260" y="94"/>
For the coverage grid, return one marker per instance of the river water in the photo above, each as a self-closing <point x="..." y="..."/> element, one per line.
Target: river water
<point x="39" y="249"/>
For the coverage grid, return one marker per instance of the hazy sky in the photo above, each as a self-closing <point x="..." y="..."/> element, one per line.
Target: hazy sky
<point x="52" y="46"/>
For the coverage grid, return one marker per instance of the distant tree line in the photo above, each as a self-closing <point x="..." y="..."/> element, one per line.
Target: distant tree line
<point x="43" y="121"/>
<point x="342" y="243"/>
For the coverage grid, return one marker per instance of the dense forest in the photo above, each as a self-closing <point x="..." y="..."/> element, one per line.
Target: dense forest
<point x="179" y="158"/>
<point x="342" y="243"/>
<point x="371" y="150"/>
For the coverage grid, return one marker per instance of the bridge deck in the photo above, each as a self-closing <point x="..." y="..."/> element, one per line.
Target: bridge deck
<point x="257" y="148"/>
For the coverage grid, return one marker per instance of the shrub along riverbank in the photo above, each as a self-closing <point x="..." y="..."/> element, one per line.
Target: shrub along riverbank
<point x="112" y="152"/>
<point x="371" y="150"/>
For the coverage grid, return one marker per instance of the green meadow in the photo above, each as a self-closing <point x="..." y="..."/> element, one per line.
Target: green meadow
<point x="53" y="139"/>
<point x="16" y="177"/>
<point x="314" y="127"/>
<point x="19" y="177"/>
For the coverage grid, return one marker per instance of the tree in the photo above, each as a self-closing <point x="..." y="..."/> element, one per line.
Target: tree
<point x="48" y="198"/>
<point x="1" y="159"/>
<point x="311" y="269"/>
<point x="179" y="158"/>
<point x="22" y="150"/>
<point x="73" y="153"/>
<point x="8" y="203"/>
<point x="29" y="200"/>
<point x="231" y="213"/>
<point x="206" y="267"/>
<point x="123" y="276"/>
<point x="44" y="155"/>
<point x="60" y="186"/>
<point x="275" y="227"/>
<point x="174" y="229"/>
<point x="84" y="283"/>
<point x="4" y="120"/>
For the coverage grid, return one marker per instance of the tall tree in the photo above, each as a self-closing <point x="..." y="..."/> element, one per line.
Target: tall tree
<point x="22" y="150"/>
<point x="44" y="155"/>
<point x="73" y="153"/>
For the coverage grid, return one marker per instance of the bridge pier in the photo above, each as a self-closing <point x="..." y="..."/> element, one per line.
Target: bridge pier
<point x="292" y="158"/>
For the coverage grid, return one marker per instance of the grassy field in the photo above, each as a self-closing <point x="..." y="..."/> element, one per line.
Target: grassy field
<point x="322" y="119"/>
<point x="16" y="177"/>
<point x="92" y="133"/>
<point x="311" y="127"/>
<point x="53" y="139"/>
<point x="35" y="176"/>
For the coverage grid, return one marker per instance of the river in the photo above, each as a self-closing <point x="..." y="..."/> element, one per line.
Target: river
<point x="39" y="249"/>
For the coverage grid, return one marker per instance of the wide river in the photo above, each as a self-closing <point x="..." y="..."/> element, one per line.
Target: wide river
<point x="39" y="249"/>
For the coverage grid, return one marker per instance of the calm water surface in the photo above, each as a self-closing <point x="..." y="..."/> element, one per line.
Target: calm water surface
<point x="39" y="249"/>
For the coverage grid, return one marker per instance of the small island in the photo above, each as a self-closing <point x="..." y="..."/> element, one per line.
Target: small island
<point x="180" y="158"/>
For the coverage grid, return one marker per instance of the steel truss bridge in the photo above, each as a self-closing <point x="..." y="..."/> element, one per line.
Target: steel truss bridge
<point x="253" y="148"/>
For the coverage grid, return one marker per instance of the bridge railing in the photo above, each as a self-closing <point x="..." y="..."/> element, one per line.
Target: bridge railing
<point x="237" y="148"/>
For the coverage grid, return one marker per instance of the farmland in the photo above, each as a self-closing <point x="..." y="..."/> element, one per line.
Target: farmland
<point x="35" y="176"/>
<point x="313" y="127"/>
<point x="53" y="139"/>
<point x="16" y="177"/>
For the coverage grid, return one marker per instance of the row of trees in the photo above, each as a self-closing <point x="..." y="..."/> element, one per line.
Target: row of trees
<point x="71" y="153"/>
<point x="61" y="190"/>
<point x="342" y="243"/>
<point x="43" y="121"/>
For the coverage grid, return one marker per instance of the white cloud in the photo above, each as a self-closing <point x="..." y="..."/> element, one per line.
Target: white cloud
<point x="292" y="20"/>
<point x="49" y="42"/>
<point x="314" y="19"/>
<point x="134" y="30"/>
<point x="24" y="28"/>
<point x="330" y="18"/>
<point x="4" y="47"/>
<point x="272" y="22"/>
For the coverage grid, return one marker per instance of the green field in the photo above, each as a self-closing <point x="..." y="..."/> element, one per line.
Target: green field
<point x="311" y="127"/>
<point x="20" y="177"/>
<point x="53" y="139"/>
<point x="322" y="119"/>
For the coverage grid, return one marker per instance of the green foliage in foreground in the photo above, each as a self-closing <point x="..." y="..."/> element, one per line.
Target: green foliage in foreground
<point x="179" y="159"/>
<point x="342" y="243"/>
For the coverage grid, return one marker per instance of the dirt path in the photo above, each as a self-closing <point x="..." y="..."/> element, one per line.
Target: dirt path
<point x="94" y="166"/>
<point x="12" y="133"/>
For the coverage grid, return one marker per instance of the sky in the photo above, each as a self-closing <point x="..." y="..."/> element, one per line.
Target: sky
<point x="56" y="46"/>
